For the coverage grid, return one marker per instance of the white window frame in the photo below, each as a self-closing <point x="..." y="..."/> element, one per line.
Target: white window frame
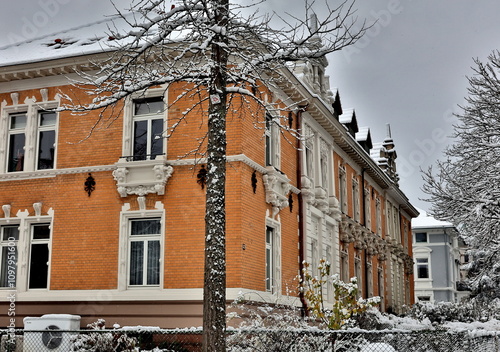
<point x="368" y="208"/>
<point x="426" y="238"/>
<point x="272" y="275"/>
<point x="343" y="189"/>
<point x="32" y="242"/>
<point x="324" y="165"/>
<point x="31" y="131"/>
<point x="309" y="158"/>
<point x="41" y="129"/>
<point x="126" y="216"/>
<point x="272" y="153"/>
<point x="10" y="259"/>
<point x="145" y="240"/>
<point x="378" y="216"/>
<point x="381" y="286"/>
<point x="355" y="200"/>
<point x="422" y="253"/>
<point x="128" y="119"/>
<point x="358" y="272"/>
<point x="25" y="222"/>
<point x="344" y="265"/>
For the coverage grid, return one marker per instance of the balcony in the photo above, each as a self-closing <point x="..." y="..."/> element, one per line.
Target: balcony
<point x="141" y="177"/>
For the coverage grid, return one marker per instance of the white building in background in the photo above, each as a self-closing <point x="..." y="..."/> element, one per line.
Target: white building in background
<point x="438" y="254"/>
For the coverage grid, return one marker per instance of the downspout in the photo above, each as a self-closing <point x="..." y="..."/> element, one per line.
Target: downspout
<point x="363" y="204"/>
<point x="302" y="223"/>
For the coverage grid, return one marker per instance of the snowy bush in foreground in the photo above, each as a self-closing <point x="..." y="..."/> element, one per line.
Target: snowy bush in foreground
<point x="465" y="312"/>
<point x="346" y="304"/>
<point x="109" y="341"/>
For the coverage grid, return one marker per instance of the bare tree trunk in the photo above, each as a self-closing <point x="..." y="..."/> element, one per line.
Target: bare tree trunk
<point x="214" y="289"/>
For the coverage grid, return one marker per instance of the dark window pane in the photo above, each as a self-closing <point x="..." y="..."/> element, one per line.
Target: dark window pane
<point x="10" y="233"/>
<point x="140" y="140"/>
<point x="149" y="106"/>
<point x="146" y="227"/>
<point x="39" y="265"/>
<point x="156" y="138"/>
<point x="423" y="272"/>
<point x="421" y="237"/>
<point x="48" y="118"/>
<point x="16" y="152"/>
<point x="153" y="263"/>
<point x="41" y="232"/>
<point x="46" y="150"/>
<point x="9" y="263"/>
<point x="17" y="121"/>
<point x="136" y="263"/>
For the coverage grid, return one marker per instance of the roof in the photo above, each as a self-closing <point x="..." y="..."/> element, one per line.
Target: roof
<point x="424" y="220"/>
<point x="87" y="39"/>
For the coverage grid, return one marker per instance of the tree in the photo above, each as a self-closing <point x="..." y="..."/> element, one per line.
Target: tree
<point x="465" y="189"/>
<point x="220" y="54"/>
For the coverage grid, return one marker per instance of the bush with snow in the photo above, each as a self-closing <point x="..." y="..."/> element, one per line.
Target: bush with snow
<point x="103" y="340"/>
<point x="346" y="304"/>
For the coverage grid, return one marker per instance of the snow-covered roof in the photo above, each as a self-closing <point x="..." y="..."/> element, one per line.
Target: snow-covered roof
<point x="362" y="134"/>
<point x="87" y="39"/>
<point x="347" y="116"/>
<point x="424" y="220"/>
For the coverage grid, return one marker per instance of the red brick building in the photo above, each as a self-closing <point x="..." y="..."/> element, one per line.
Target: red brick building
<point x="111" y="225"/>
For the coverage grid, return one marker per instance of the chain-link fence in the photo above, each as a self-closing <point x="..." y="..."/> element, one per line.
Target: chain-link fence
<point x="246" y="340"/>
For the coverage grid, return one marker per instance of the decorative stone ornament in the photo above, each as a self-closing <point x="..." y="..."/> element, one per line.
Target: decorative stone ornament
<point x="141" y="177"/>
<point x="37" y="207"/>
<point x="277" y="187"/>
<point x="6" y="210"/>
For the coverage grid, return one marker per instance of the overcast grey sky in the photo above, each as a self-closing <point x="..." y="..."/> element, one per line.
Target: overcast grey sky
<point x="409" y="70"/>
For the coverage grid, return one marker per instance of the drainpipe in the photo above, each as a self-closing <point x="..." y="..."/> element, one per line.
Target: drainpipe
<point x="302" y="223"/>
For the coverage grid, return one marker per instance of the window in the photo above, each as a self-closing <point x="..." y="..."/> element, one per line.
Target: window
<point x="144" y="252"/>
<point x="342" y="190"/>
<point x="422" y="268"/>
<point x="8" y="260"/>
<point x="358" y="273"/>
<point x="17" y="141"/>
<point x="323" y="163"/>
<point x="378" y="217"/>
<point x="424" y="298"/>
<point x="269" y="258"/>
<point x="369" y="279"/>
<point x="39" y="256"/>
<point x="148" y="128"/>
<point x="30" y="140"/>
<point x="355" y="199"/>
<point x="46" y="139"/>
<point x="420" y="237"/>
<point x="344" y="265"/>
<point x="367" y="210"/>
<point x="310" y="159"/>
<point x="272" y="142"/>
<point x="381" y="287"/>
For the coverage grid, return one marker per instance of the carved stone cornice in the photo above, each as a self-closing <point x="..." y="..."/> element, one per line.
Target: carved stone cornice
<point x="408" y="264"/>
<point x="382" y="248"/>
<point x="335" y="211"/>
<point x="141" y="177"/>
<point x="307" y="190"/>
<point x="347" y="229"/>
<point x="277" y="187"/>
<point x="371" y="244"/>
<point x="321" y="200"/>
<point x="359" y="237"/>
